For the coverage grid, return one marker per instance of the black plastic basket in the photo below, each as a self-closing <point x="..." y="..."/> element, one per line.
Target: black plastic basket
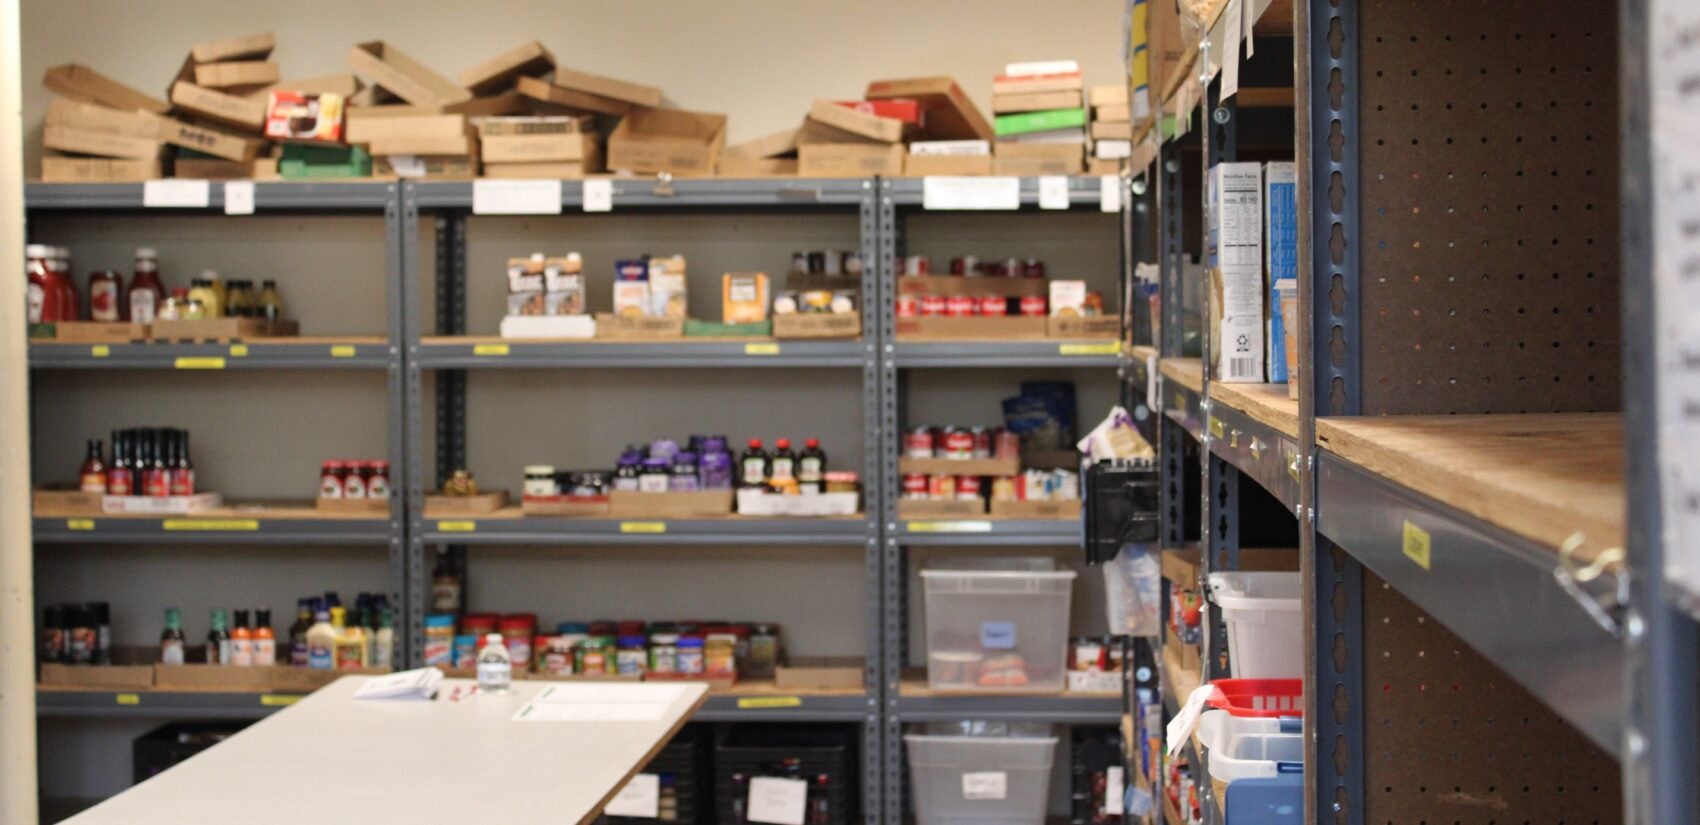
<point x="165" y="746"/>
<point x="1121" y="507"/>
<point x="682" y="765"/>
<point x="1093" y="753"/>
<point x="793" y="751"/>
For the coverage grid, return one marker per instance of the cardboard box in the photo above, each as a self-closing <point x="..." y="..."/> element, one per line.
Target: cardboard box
<point x="667" y="140"/>
<point x="236" y="74"/>
<point x="220" y="169"/>
<point x="1035" y="101"/>
<point x="95" y="118"/>
<point x="1100" y="96"/>
<point x="55" y="169"/>
<point x="627" y="327"/>
<point x="111" y="677"/>
<point x="387" y="67"/>
<point x="898" y="108"/>
<point x="820" y="673"/>
<point x="212" y="677"/>
<point x="1088" y="326"/>
<point x="426" y="167"/>
<point x="510" y="102"/>
<point x="783" y="142"/>
<point x="849" y="160"/>
<point x="1104" y="166"/>
<point x="344" y="85"/>
<point x="572" y="99"/>
<point x="426" y="146"/>
<point x="915" y="509"/>
<point x="442" y="506"/>
<point x="1234" y="255"/>
<point x="743" y="166"/>
<point x="950" y="114"/>
<point x="1281" y="260"/>
<point x="1034" y="159"/>
<point x="362" y="129"/>
<point x="207" y="140"/>
<point x="917" y="166"/>
<point x="608" y="87"/>
<point x="818" y="325"/>
<point x="100" y="144"/>
<point x="813" y="131"/>
<point x="79" y="82"/>
<point x="499" y="73"/>
<point x="1114" y="113"/>
<point x="577" y="148"/>
<point x="960" y="466"/>
<point x="703" y="504"/>
<point x="243" y="113"/>
<point x="489" y="127"/>
<point x="567" y="506"/>
<point x="231" y="48"/>
<point x="1024" y="327"/>
<point x="959" y="285"/>
<point x="1166" y="47"/>
<point x="536" y="171"/>
<point x="99" y="332"/>
<point x="883" y="129"/>
<point x="1109" y="130"/>
<point x="1061" y="509"/>
<point x="65" y="503"/>
<point x="743" y="297"/>
<point x="222" y="329"/>
<point x="304" y="116"/>
<point x="1006" y="84"/>
<point x="374" y="507"/>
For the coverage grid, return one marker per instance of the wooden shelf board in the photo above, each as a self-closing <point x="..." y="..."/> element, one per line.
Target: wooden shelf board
<point x="290" y="341"/>
<point x="1187" y="372"/>
<point x="917" y="689"/>
<point x="1266" y="404"/>
<point x="264" y="511"/>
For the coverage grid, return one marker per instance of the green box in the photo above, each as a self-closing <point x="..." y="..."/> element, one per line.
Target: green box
<point x="302" y="161"/>
<point x="1025" y="122"/>
<point x="711" y="329"/>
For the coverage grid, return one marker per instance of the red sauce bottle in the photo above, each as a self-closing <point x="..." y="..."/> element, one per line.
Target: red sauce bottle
<point x="156" y="482"/>
<point x="182" y="472"/>
<point x="70" y="301"/>
<point x="106" y="289"/>
<point x="120" y="480"/>
<point x="146" y="292"/>
<point x="93" y="475"/>
<point x="45" y="298"/>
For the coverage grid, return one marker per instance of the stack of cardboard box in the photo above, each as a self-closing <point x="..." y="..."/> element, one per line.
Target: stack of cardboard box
<point x="647" y="140"/>
<point x="412" y="122"/>
<point x="1041" y="119"/>
<point x="1112" y="128"/>
<point x="99" y="129"/>
<point x="837" y="139"/>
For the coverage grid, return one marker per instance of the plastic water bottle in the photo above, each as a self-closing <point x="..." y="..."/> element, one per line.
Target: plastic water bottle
<point x="495" y="669"/>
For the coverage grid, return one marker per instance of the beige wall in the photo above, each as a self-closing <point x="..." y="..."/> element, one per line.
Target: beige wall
<point x="759" y="61"/>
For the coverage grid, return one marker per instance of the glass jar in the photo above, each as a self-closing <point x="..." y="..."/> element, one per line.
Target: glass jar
<point x="269" y="306"/>
<point x="690" y="656"/>
<point x="594" y="656"/>
<point x="664" y="652"/>
<point x="626" y="473"/>
<point x="656" y="476"/>
<point x="540" y="481"/>
<point x="631" y="656"/>
<point x="590" y="483"/>
<point x="719" y="654"/>
<point x="378" y="480"/>
<point x="239" y="299"/>
<point x="684" y="478"/>
<point x="764" y="652"/>
<point x="517" y="630"/>
<point x="331" y="476"/>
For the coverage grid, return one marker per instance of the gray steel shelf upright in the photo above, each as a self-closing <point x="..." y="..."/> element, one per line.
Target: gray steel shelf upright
<point x="450" y="203"/>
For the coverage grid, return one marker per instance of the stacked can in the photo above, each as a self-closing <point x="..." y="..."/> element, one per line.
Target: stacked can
<point x="955" y="443"/>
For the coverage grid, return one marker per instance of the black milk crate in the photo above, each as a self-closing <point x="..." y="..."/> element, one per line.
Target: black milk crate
<point x="1093" y="752"/>
<point x="1122" y="503"/>
<point x="167" y="745"/>
<point x="791" y="751"/>
<point x="683" y="762"/>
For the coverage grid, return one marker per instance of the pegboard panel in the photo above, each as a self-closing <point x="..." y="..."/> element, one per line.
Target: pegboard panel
<point x="1450" y="740"/>
<point x="1489" y="206"/>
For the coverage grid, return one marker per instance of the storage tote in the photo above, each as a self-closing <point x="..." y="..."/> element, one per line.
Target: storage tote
<point x="997" y="631"/>
<point x="1263" y="612"/>
<point x="980" y="780"/>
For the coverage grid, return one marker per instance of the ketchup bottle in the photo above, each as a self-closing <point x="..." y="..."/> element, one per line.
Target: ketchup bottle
<point x="45" y="302"/>
<point x="146" y="292"/>
<point x="70" y="301"/>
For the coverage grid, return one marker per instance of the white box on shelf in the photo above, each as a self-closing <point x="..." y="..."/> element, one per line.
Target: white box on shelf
<point x="1265" y="619"/>
<point x="548" y="326"/>
<point x="1235" y="256"/>
<point x="760" y="503"/>
<point x="161" y="505"/>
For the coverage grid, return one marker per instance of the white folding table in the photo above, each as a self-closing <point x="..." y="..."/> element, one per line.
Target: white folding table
<point x="333" y="758"/>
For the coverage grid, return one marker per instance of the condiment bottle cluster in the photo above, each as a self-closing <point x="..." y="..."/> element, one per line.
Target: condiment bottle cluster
<point x="146" y="461"/>
<point x="682" y="649"/>
<point x="52" y="295"/>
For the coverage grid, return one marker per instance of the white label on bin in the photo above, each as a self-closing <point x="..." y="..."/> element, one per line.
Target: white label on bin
<point x="1113" y="790"/>
<point x="985" y="785"/>
<point x="239" y="197"/>
<point x="641" y="798"/>
<point x="516" y="197"/>
<point x="997" y="635"/>
<point x="598" y="195"/>
<point x="778" y="801"/>
<point x="1110" y="193"/>
<point x="1053" y="192"/>
<point x="176" y="194"/>
<point x="1180" y="727"/>
<point x="970" y="193"/>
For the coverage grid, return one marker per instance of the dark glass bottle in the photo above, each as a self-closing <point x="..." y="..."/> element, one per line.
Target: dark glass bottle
<point x="811" y="467"/>
<point x="753" y="467"/>
<point x="782" y="466"/>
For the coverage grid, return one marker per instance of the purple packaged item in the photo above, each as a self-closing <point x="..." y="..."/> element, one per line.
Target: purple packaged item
<point x="663" y="448"/>
<point x="684" y="478"/>
<point x="714" y="471"/>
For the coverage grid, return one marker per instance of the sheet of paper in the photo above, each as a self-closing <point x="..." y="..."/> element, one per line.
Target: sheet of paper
<point x="640" y="798"/>
<point x="1053" y="192"/>
<point x="176" y="194"/>
<point x="610" y="692"/>
<point x="777" y="801"/>
<point x="239" y="197"/>
<point x="598" y="195"/>
<point x="516" y="197"/>
<point x="940" y="192"/>
<point x="591" y="712"/>
<point x="1180" y="728"/>
<point x="408" y="684"/>
<point x="1232" y="18"/>
<point x="1110" y="193"/>
<point x="993" y="785"/>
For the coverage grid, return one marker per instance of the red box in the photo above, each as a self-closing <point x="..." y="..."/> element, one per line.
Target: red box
<point x="905" y="109"/>
<point x="304" y="116"/>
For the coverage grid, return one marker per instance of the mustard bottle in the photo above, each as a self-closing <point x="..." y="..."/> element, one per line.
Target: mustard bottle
<point x="201" y="289"/>
<point x="349" y="649"/>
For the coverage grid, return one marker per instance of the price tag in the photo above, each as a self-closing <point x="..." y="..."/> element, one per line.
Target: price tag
<point x="129" y="699"/>
<point x="516" y="197"/>
<point x="1180" y="727"/>
<point x="1216" y="427"/>
<point x="1110" y="193"/>
<point x="342" y="351"/>
<point x="640" y="798"/>
<point x="1232" y="18"/>
<point x="238" y="350"/>
<point x="1180" y="401"/>
<point x="200" y="362"/>
<point x="99" y="351"/>
<point x="997" y="635"/>
<point x="176" y="194"/>
<point x="278" y="700"/>
<point x="970" y="193"/>
<point x="239" y="197"/>
<point x="204" y="525"/>
<point x="598" y="195"/>
<point x="489" y="349"/>
<point x="992" y="785"/>
<point x="1053" y="192"/>
<point x="761" y="349"/>
<point x="457" y="526"/>
<point x="79" y="524"/>
<point x="950" y="527"/>
<point x="643" y="526"/>
<point x="1106" y="348"/>
<point x="1417" y="545"/>
<point x="777" y="801"/>
<point x="761" y="702"/>
<point x="1114" y="790"/>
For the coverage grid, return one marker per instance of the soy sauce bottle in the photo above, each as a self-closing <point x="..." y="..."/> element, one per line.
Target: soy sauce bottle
<point x="811" y="467"/>
<point x="783" y="465"/>
<point x="753" y="467"/>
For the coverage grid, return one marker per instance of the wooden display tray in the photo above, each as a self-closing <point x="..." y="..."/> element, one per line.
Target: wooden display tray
<point x="98" y="332"/>
<point x="909" y="509"/>
<point x="704" y="504"/>
<point x="368" y="506"/>
<point x="223" y="329"/>
<point x="1087" y="326"/>
<point x="68" y="503"/>
<point x="817" y="325"/>
<point x="1022" y="327"/>
<point x="256" y="510"/>
<point x="621" y="327"/>
<point x="569" y="506"/>
<point x="960" y="466"/>
<point x="438" y="505"/>
<point x="820" y="673"/>
<point x="1060" y="509"/>
<point x="948" y="285"/>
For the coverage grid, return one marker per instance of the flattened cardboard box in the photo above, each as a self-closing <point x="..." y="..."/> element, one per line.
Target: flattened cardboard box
<point x="743" y="166"/>
<point x="537" y="148"/>
<point x="782" y="142"/>
<point x="215" y="142"/>
<point x="538" y="171"/>
<point x="883" y="129"/>
<point x="595" y="84"/>
<point x="231" y="48"/>
<point x="917" y="166"/>
<point x="532" y="125"/>
<point x="1108" y="95"/>
<point x="1032" y="159"/>
<point x="1111" y="130"/>
<point x="499" y="72"/>
<point x="667" y="140"/>
<point x="425" y="167"/>
<point x="849" y="160"/>
<point x="80" y="82"/>
<point x="388" y="67"/>
<point x="56" y="169"/>
<point x="818" y="325"/>
<point x="219" y="169"/>
<point x="100" y="144"/>
<point x="94" y="118"/>
<point x="443" y="145"/>
<point x="1112" y="113"/>
<point x="813" y="131"/>
<point x="346" y="85"/>
<point x="236" y="74"/>
<point x="1035" y="101"/>
<point x="244" y="113"/>
<point x="572" y="99"/>
<point x="362" y="129"/>
<point x="951" y="115"/>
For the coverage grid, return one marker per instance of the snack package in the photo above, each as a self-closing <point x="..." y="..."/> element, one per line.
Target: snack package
<point x="667" y="287"/>
<point x="309" y="116"/>
<point x="525" y="285"/>
<point x="631" y="288"/>
<point x="563" y="285"/>
<point x="743" y="297"/>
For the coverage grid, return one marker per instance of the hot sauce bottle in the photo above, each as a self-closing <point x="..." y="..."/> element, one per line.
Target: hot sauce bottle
<point x="182" y="472"/>
<point x="93" y="476"/>
<point x="156" y="480"/>
<point x="120" y="480"/>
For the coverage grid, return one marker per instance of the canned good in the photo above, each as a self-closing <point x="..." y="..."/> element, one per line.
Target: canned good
<point x="982" y="441"/>
<point x="908" y="306"/>
<point x="967" y="488"/>
<point x="834" y="262"/>
<point x="917" y="265"/>
<point x="932" y="306"/>
<point x="961" y="306"/>
<point x="1089" y="655"/>
<point x="1003" y="489"/>
<point x="1006" y="445"/>
<point x="994" y="305"/>
<point x="958" y="443"/>
<point x="941" y="487"/>
<point x="919" y="443"/>
<point x="1033" y="269"/>
<point x="1033" y="305"/>
<point x="853" y="264"/>
<point x="915" y="485"/>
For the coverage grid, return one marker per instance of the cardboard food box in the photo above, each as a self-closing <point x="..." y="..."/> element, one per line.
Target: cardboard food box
<point x="222" y="329"/>
<point x="374" y="507"/>
<point x="950" y="114"/>
<point x="958" y="285"/>
<point x="820" y="673"/>
<point x="849" y="160"/>
<point x="100" y="144"/>
<point x="506" y="126"/>
<point x="1165" y="45"/>
<point x="1111" y="130"/>
<point x="1035" y="101"/>
<point x="630" y="327"/>
<point x="1104" y="166"/>
<point x="782" y="142"/>
<point x="917" y="166"/>
<point x="387" y="67"/>
<point x="1035" y="159"/>
<point x="440" y="506"/>
<point x="465" y="146"/>
<point x="426" y="167"/>
<point x="916" y="509"/>
<point x="972" y="329"/>
<point x="541" y="171"/>
<point x="960" y="466"/>
<point x="304" y="116"/>
<point x="499" y="73"/>
<point x="207" y="140"/>
<point x="362" y="106"/>
<point x="907" y="110"/>
<point x="99" y="332"/>
<point x="66" y="503"/>
<point x="111" y="677"/>
<point x="1109" y="95"/>
<point x="703" y="504"/>
<point x="818" y="325"/>
<point x="882" y="129"/>
<point x="571" y="99"/>
<point x="1088" y="326"/>
<point x="56" y="169"/>
<point x="743" y="297"/>
<point x="1234" y="255"/>
<point x="91" y="117"/>
<point x="743" y="166"/>
<point x="813" y="131"/>
<point x="243" y="113"/>
<point x="577" y="148"/>
<point x="667" y="140"/>
<point x="237" y="74"/>
<point x="565" y="506"/>
<point x="79" y="82"/>
<point x="1113" y="113"/>
<point x="399" y="129"/>
<point x="1058" y="509"/>
<point x="261" y="168"/>
<point x="343" y="85"/>
<point x="608" y="87"/>
<point x="233" y="48"/>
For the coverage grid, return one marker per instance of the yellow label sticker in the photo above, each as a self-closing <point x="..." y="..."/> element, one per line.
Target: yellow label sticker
<point x="760" y="702"/>
<point x="1106" y="348"/>
<point x="79" y="524"/>
<point x="129" y="699"/>
<point x="99" y="351"/>
<point x="1216" y="427"/>
<point x="342" y="351"/>
<point x="208" y="362"/>
<point x="643" y="526"/>
<point x="1417" y="545"/>
<point x="761" y="349"/>
<point x="238" y="350"/>
<point x="490" y="349"/>
<point x="950" y="527"/>
<point x="203" y="524"/>
<point x="457" y="526"/>
<point x="1180" y="401"/>
<point x="278" y="700"/>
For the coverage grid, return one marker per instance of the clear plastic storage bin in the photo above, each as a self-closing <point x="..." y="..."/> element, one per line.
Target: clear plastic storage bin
<point x="970" y="780"/>
<point x="997" y="631"/>
<point x="1263" y="612"/>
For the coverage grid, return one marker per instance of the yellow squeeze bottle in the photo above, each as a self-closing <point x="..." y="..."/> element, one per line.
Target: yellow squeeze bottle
<point x="349" y="649"/>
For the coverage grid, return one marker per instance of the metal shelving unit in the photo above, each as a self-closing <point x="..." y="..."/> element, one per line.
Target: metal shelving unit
<point x="997" y="354"/>
<point x="375" y="354"/>
<point x="236" y="529"/>
<point x="442" y="354"/>
<point x="159" y="704"/>
<point x="1052" y="708"/>
<point x="645" y="531"/>
<point x="280" y="196"/>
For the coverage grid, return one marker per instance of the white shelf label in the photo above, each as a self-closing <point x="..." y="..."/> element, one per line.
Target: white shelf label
<point x="598" y="195"/>
<point x="1053" y="192"/>
<point x="1114" y="790"/>
<point x="640" y="798"/>
<point x="993" y="785"/>
<point x="516" y="197"/>
<point x="239" y="197"/>
<point x="176" y="194"/>
<point x="977" y="193"/>
<point x="1232" y="18"/>
<point x="777" y="801"/>
<point x="1110" y="193"/>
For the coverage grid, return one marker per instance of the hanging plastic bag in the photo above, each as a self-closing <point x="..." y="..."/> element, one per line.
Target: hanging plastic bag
<point x="1132" y="588"/>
